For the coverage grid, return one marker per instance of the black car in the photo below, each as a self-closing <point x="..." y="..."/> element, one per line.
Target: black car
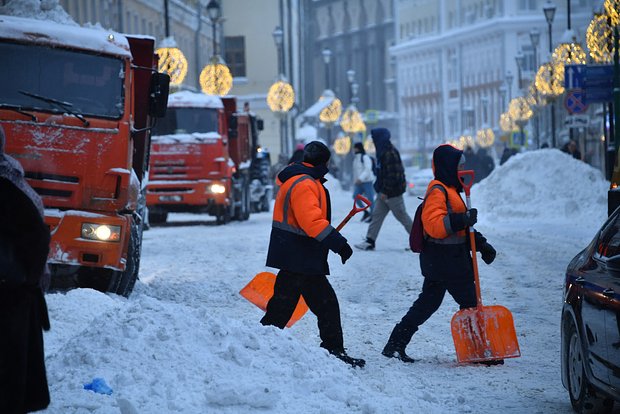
<point x="591" y="322"/>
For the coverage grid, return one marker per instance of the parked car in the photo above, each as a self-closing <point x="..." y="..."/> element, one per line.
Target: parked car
<point x="417" y="180"/>
<point x="590" y="326"/>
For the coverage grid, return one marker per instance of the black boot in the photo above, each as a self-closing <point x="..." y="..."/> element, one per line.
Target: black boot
<point x="354" y="362"/>
<point x="393" y="351"/>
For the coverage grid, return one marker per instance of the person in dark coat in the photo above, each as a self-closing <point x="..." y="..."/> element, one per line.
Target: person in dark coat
<point x="301" y="238"/>
<point x="506" y="154"/>
<point x="24" y="246"/>
<point x="485" y="165"/>
<point x="298" y="154"/>
<point x="571" y="149"/>
<point x="389" y="185"/>
<point x="445" y="260"/>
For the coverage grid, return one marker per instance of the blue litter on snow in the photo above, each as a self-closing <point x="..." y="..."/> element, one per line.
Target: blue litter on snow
<point x="99" y="386"/>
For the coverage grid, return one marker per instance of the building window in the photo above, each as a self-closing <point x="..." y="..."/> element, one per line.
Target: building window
<point x="527" y="4"/>
<point x="235" y="55"/>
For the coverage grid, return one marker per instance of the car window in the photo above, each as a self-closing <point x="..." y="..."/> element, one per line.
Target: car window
<point x="608" y="243"/>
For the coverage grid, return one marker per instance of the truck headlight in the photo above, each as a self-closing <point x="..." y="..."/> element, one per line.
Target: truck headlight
<point x="101" y="232"/>
<point x="217" y="189"/>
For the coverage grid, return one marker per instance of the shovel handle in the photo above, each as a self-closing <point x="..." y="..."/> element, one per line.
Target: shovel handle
<point x="366" y="203"/>
<point x="467" y="183"/>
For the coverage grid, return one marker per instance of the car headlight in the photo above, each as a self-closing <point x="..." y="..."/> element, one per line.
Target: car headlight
<point x="217" y="189"/>
<point x="101" y="232"/>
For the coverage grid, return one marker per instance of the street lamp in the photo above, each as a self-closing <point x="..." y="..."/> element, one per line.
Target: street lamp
<point x="215" y="78"/>
<point x="549" y="11"/>
<point x="535" y="40"/>
<point x="331" y="112"/>
<point x="520" y="59"/>
<point x="281" y="95"/>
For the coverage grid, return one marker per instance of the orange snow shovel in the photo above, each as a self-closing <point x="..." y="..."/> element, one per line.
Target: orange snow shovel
<point x="260" y="288"/>
<point x="483" y="333"/>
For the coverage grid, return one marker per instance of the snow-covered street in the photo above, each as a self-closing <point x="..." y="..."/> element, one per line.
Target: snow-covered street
<point x="186" y="342"/>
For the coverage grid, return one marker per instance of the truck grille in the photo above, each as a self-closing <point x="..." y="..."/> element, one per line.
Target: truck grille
<point x="39" y="179"/>
<point x="170" y="190"/>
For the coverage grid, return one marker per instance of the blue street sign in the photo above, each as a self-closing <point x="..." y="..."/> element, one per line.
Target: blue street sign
<point x="573" y="76"/>
<point x="599" y="83"/>
<point x="574" y="102"/>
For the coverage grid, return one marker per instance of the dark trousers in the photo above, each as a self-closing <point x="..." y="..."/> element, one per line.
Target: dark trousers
<point x="433" y="292"/>
<point x="320" y="298"/>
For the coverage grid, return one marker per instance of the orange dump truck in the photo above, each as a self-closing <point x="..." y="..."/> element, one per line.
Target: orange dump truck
<point x="203" y="158"/>
<point x="76" y="106"/>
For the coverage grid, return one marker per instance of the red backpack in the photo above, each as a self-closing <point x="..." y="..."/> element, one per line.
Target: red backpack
<point x="416" y="236"/>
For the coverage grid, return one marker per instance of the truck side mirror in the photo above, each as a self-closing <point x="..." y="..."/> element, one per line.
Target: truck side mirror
<point x="232" y="126"/>
<point x="260" y="124"/>
<point x="158" y="97"/>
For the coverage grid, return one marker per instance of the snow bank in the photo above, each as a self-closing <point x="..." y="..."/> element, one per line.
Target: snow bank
<point x="546" y="184"/>
<point x="49" y="10"/>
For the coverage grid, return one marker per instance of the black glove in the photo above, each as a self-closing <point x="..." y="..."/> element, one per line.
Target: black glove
<point x="458" y="221"/>
<point x="345" y="252"/>
<point x="488" y="253"/>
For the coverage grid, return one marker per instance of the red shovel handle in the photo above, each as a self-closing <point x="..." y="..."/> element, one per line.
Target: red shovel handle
<point x="367" y="203"/>
<point x="466" y="183"/>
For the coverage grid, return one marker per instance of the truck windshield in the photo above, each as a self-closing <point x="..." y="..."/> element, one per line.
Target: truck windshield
<point x="91" y="84"/>
<point x="187" y="121"/>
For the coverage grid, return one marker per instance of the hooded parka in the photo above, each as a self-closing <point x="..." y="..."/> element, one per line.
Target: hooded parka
<point x="446" y="250"/>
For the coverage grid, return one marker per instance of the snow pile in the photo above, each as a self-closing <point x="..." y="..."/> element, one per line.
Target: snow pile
<point x="545" y="184"/>
<point x="49" y="10"/>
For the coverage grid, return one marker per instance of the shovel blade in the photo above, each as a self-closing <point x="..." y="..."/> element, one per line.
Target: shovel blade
<point x="260" y="290"/>
<point x="484" y="333"/>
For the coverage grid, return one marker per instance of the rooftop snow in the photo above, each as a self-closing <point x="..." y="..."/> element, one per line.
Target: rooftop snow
<point x="189" y="99"/>
<point x="45" y="32"/>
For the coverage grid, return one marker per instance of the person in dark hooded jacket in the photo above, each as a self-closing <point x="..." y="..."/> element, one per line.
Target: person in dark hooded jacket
<point x="24" y="245"/>
<point x="445" y="260"/>
<point x="301" y="238"/>
<point x="389" y="185"/>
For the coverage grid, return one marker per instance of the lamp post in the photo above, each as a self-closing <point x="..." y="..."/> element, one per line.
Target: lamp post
<point x="535" y="40"/>
<point x="215" y="78"/>
<point x="171" y="59"/>
<point x="509" y="79"/>
<point x="281" y="96"/>
<point x="520" y="60"/>
<point x="327" y="56"/>
<point x="549" y="11"/>
<point x="330" y="114"/>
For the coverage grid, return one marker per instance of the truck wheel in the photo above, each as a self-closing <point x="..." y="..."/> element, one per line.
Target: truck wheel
<point x="223" y="215"/>
<point x="247" y="203"/>
<point x="127" y="279"/>
<point x="158" y="217"/>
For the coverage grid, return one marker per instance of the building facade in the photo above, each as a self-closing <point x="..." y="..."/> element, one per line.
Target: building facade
<point x="457" y="70"/>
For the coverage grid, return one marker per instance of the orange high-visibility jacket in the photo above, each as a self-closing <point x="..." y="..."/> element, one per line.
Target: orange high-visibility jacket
<point x="301" y="234"/>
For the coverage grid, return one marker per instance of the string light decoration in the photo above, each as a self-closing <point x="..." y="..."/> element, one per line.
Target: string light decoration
<point x="612" y="9"/>
<point x="369" y="146"/>
<point x="534" y="98"/>
<point x="342" y="145"/>
<point x="485" y="137"/>
<point x="352" y="121"/>
<point x="567" y="54"/>
<point x="506" y="123"/>
<point x="281" y="96"/>
<point x="331" y="113"/>
<point x="172" y="61"/>
<point x="215" y="78"/>
<point x="519" y="110"/>
<point x="599" y="38"/>
<point x="548" y="83"/>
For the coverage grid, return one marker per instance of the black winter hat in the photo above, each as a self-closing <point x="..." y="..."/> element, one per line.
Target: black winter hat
<point x="316" y="153"/>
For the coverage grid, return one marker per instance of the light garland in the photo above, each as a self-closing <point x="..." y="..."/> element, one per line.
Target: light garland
<point x="485" y="137"/>
<point x="331" y="113"/>
<point x="215" y="78"/>
<point x="281" y="97"/>
<point x="548" y="83"/>
<point x="351" y="121"/>
<point x="612" y="9"/>
<point x="506" y="123"/>
<point x="599" y="39"/>
<point x="519" y="110"/>
<point x="172" y="61"/>
<point x="567" y="54"/>
<point x="342" y="145"/>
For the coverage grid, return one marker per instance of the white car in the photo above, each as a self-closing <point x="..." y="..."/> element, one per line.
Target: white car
<point x="417" y="180"/>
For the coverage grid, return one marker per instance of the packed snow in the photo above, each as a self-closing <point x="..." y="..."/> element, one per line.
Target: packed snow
<point x="187" y="342"/>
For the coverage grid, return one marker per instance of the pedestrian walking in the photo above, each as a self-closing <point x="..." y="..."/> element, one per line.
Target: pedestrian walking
<point x="363" y="177"/>
<point x="570" y="148"/>
<point x="301" y="237"/>
<point x="485" y="165"/>
<point x="389" y="185"/>
<point x="445" y="260"/>
<point x="24" y="246"/>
